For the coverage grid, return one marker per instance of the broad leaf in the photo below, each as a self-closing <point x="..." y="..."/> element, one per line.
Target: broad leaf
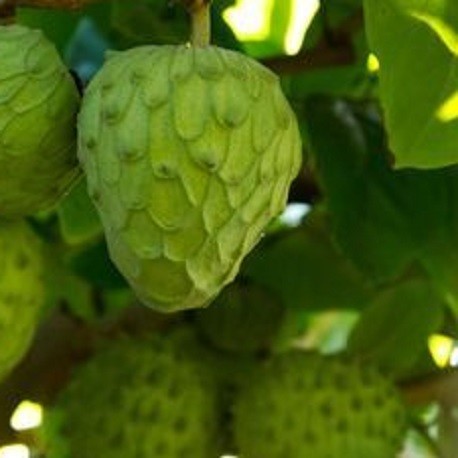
<point x="78" y="217"/>
<point x="93" y="264"/>
<point x="392" y="332"/>
<point x="417" y="44"/>
<point x="145" y="21"/>
<point x="59" y="25"/>
<point x="64" y="289"/>
<point x="162" y="22"/>
<point x="386" y="221"/>
<point x="306" y="270"/>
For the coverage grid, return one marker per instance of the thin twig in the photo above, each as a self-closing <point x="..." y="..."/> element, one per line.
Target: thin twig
<point x="54" y="4"/>
<point x="438" y="387"/>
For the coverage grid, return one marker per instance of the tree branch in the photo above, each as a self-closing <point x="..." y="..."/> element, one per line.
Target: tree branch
<point x="55" y="4"/>
<point x="61" y="343"/>
<point x="439" y="387"/>
<point x="334" y="49"/>
<point x="324" y="55"/>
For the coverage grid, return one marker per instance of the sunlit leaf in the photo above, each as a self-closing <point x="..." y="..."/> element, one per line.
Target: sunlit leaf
<point x="392" y="332"/>
<point x="416" y="43"/>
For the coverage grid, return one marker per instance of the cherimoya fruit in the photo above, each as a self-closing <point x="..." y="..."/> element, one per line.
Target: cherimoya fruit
<point x="38" y="106"/>
<point x="138" y="397"/>
<point x="304" y="405"/>
<point x="189" y="153"/>
<point x="21" y="291"/>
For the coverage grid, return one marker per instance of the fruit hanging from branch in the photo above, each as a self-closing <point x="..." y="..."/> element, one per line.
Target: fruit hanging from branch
<point x="189" y="152"/>
<point x="307" y="405"/>
<point x="303" y="405"/>
<point x="38" y="107"/>
<point x="139" y="397"/>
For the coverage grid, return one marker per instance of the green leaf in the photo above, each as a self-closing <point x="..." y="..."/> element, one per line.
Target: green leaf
<point x="149" y="21"/>
<point x="416" y="43"/>
<point x="392" y="332"/>
<point x="78" y="218"/>
<point x="338" y="81"/>
<point x="161" y="22"/>
<point x="93" y="264"/>
<point x="59" y="25"/>
<point x="387" y="221"/>
<point x="358" y="186"/>
<point x="66" y="289"/>
<point x="306" y="270"/>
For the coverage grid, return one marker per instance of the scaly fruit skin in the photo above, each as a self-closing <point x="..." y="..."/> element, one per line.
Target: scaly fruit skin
<point x="21" y="291"/>
<point x="189" y="153"/>
<point x="303" y="405"/>
<point x="244" y="318"/>
<point x="138" y="397"/>
<point x="38" y="107"/>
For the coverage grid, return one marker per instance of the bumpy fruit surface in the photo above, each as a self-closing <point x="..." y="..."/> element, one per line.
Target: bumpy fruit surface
<point x="244" y="318"/>
<point x="38" y="106"/>
<point x="138" y="398"/>
<point x="189" y="153"/>
<point x="21" y="291"/>
<point x="304" y="405"/>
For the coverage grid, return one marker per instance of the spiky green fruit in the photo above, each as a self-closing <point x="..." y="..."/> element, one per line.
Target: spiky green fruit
<point x="38" y="106"/>
<point x="139" y="397"/>
<point x="21" y="291"/>
<point x="303" y="405"/>
<point x="244" y="318"/>
<point x="189" y="153"/>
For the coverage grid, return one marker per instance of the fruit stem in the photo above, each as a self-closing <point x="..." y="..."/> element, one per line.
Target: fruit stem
<point x="201" y="23"/>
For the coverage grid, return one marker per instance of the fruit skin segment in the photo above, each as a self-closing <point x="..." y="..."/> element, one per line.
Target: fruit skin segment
<point x="302" y="405"/>
<point x="38" y="107"/>
<point x="139" y="396"/>
<point x="21" y="291"/>
<point x="189" y="153"/>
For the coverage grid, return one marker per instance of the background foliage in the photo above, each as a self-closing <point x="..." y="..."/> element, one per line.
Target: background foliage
<point x="371" y="263"/>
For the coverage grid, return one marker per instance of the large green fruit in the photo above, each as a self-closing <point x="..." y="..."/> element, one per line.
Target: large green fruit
<point x="21" y="291"/>
<point x="189" y="153"/>
<point x="303" y="405"/>
<point x="38" y="106"/>
<point x="136" y="398"/>
<point x="244" y="318"/>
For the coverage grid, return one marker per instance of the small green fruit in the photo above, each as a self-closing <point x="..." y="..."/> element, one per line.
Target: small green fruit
<point x="302" y="405"/>
<point x="38" y="106"/>
<point x="244" y="318"/>
<point x="139" y="397"/>
<point x="189" y="153"/>
<point x="21" y="291"/>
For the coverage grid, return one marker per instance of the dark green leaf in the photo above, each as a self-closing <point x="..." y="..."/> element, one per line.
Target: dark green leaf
<point x="306" y="270"/>
<point x="385" y="220"/>
<point x="94" y="265"/>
